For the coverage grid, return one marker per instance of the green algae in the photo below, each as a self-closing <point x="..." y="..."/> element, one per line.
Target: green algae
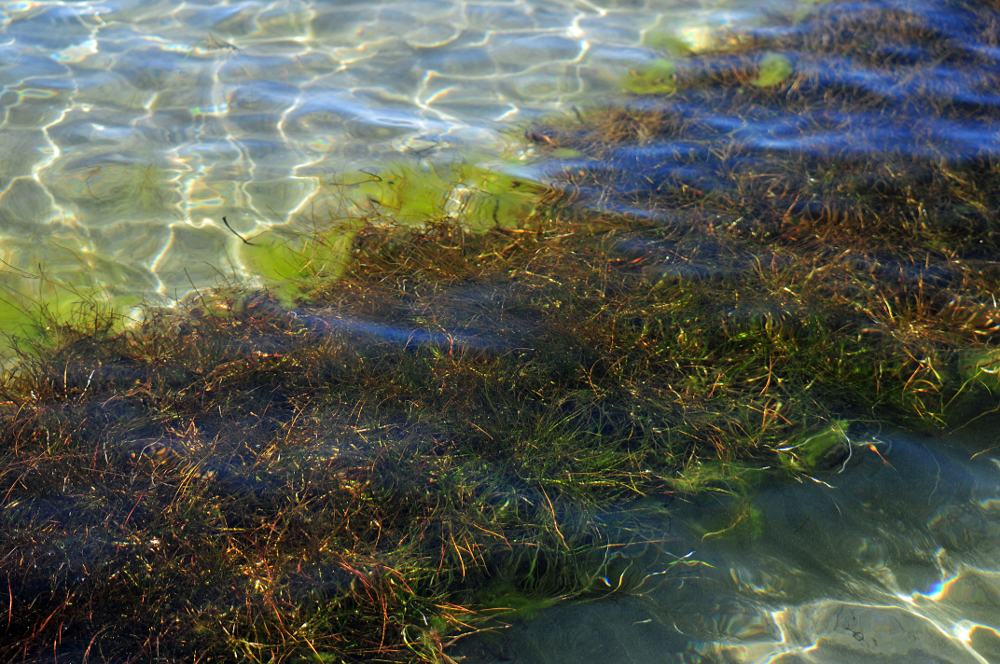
<point x="292" y="263"/>
<point x="37" y="309"/>
<point x="405" y="193"/>
<point x="774" y="68"/>
<point x="818" y="449"/>
<point x="289" y="260"/>
<point x="513" y="604"/>
<point x="654" y="78"/>
<point x="667" y="42"/>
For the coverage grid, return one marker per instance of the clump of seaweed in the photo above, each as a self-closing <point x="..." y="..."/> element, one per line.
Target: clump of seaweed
<point x="346" y="479"/>
<point x="839" y="168"/>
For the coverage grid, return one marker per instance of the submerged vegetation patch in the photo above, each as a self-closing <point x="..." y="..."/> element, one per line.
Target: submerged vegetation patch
<point x="741" y="273"/>
<point x="840" y="164"/>
<point x="453" y="430"/>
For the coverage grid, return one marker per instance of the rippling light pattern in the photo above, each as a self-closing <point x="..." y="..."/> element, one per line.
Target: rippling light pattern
<point x="123" y="121"/>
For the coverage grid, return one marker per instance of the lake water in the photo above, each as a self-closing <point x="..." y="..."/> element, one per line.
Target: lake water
<point x="896" y="559"/>
<point x="130" y="129"/>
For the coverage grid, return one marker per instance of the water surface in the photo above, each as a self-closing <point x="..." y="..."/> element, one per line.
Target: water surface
<point x="130" y="129"/>
<point x="895" y="559"/>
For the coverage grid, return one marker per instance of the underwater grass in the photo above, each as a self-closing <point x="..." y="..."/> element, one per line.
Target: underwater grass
<point x="453" y="430"/>
<point x="246" y="481"/>
<point x="837" y="165"/>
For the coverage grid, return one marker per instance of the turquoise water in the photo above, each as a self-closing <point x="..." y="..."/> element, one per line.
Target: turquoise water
<point x="130" y="129"/>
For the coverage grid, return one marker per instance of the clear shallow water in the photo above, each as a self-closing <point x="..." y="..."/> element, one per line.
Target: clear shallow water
<point x="895" y="559"/>
<point x="129" y="129"/>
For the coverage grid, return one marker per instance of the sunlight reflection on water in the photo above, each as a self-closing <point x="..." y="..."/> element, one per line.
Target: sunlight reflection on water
<point x="129" y="128"/>
<point x="872" y="568"/>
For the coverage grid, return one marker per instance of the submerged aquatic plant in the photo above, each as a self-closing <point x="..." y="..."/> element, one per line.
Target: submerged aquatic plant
<point x="445" y="435"/>
<point x="248" y="479"/>
<point x="850" y="216"/>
